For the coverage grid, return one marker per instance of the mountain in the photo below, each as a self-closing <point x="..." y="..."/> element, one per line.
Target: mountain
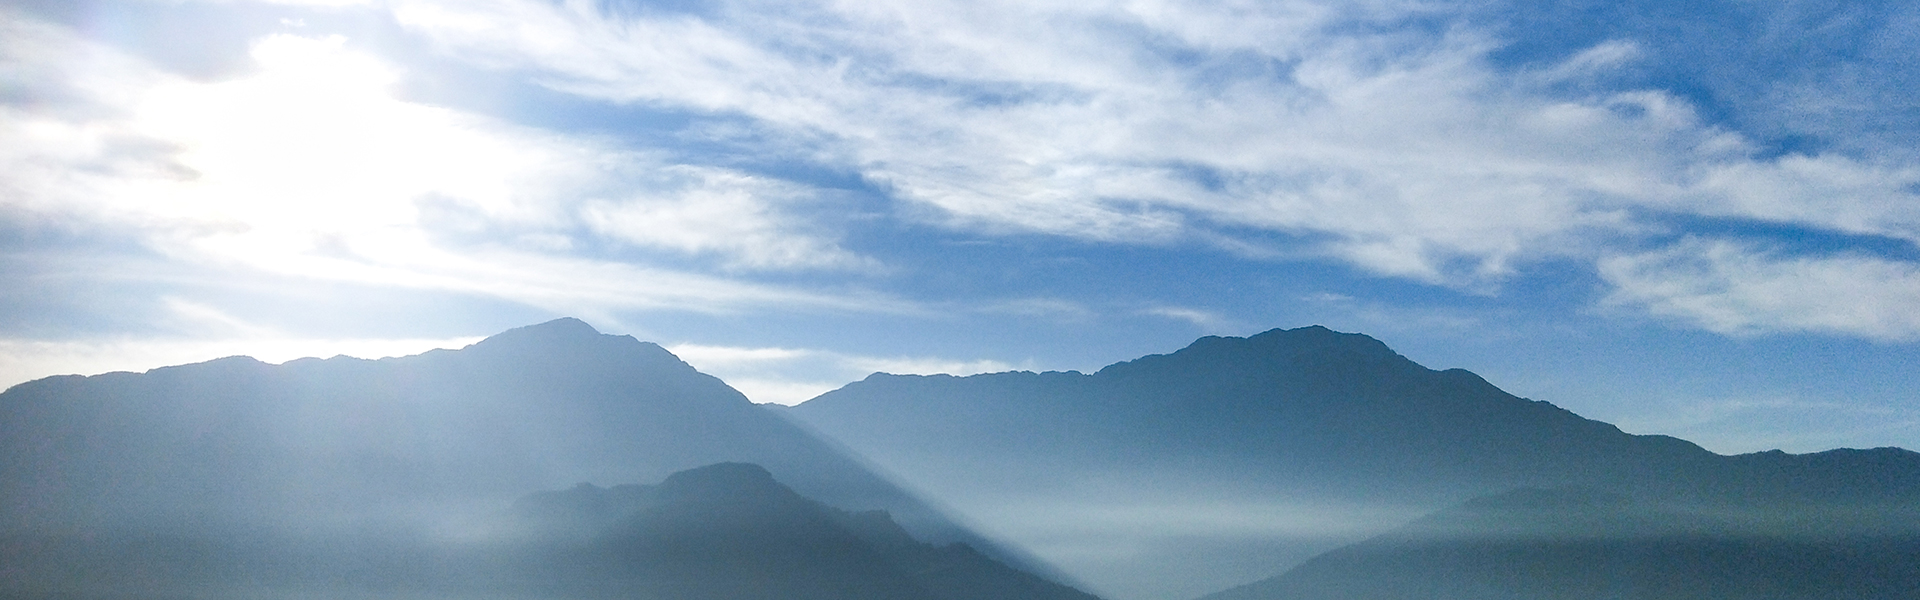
<point x="412" y="447"/>
<point x="1572" y="544"/>
<point x="730" y="531"/>
<point x="1232" y="459"/>
<point x="727" y="531"/>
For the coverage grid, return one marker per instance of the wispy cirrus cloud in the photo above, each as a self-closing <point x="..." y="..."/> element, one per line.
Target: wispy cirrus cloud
<point x="739" y="217"/>
<point x="1742" y="289"/>
<point x="1205" y="320"/>
<point x="1402" y="139"/>
<point x="1351" y="130"/>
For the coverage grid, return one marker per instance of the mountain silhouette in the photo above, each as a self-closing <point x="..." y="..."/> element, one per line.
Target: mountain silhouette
<point x="1574" y="544"/>
<point x="1234" y="458"/>
<point x="1322" y="456"/>
<point x="730" y="531"/>
<point x="413" y="447"/>
<point x="727" y="531"/>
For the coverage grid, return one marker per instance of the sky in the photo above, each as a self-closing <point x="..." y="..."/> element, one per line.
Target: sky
<point x="1695" y="218"/>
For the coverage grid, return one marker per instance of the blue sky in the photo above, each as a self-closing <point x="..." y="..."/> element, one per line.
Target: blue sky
<point x="1694" y="218"/>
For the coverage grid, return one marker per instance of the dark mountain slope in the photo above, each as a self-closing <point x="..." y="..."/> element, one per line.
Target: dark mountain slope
<point x="1302" y="439"/>
<point x="721" y="532"/>
<point x="1309" y="400"/>
<point x="731" y="531"/>
<point x="419" y="444"/>
<point x="1534" y="544"/>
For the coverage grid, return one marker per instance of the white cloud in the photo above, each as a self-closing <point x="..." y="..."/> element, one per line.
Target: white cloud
<point x="1601" y="58"/>
<point x="1828" y="192"/>
<point x="713" y="211"/>
<point x="1406" y="154"/>
<point x="1402" y="152"/>
<point x="1412" y="153"/>
<point x="1739" y="289"/>
<point x="309" y="167"/>
<point x="1203" y="319"/>
<point x="187" y="315"/>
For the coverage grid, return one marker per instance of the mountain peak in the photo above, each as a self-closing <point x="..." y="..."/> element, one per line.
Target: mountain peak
<point x="1267" y="351"/>
<point x="732" y="488"/>
<point x="570" y="340"/>
<point x="733" y="476"/>
<point x="558" y="330"/>
<point x="1320" y="337"/>
<point x="1316" y="343"/>
<point x="1312" y="339"/>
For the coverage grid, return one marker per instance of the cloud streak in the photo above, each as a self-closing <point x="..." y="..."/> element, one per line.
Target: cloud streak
<point x="1739" y="289"/>
<point x="1388" y="137"/>
<point x="311" y="168"/>
<point x="1349" y="131"/>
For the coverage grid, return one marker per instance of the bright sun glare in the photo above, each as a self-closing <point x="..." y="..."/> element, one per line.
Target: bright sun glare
<point x="312" y="158"/>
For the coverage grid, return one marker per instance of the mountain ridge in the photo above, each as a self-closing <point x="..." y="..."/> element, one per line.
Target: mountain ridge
<point x="727" y="531"/>
<point x="1575" y="544"/>
<point x="344" y="443"/>
<point x="1313" y="438"/>
<point x="1284" y="418"/>
<point x="736" y="513"/>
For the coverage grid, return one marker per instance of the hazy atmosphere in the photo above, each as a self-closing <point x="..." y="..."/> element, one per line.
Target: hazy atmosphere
<point x="1690" y="218"/>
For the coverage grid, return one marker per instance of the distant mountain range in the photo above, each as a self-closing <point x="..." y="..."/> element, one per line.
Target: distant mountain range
<point x="348" y="451"/>
<point x="1289" y="443"/>
<point x="730" y="532"/>
<point x="727" y="531"/>
<point x="1298" y="464"/>
<point x="1577" y="544"/>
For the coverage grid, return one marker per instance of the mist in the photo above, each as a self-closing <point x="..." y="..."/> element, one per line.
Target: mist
<point x="383" y="476"/>
<point x="553" y="461"/>
<point x="1235" y="460"/>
